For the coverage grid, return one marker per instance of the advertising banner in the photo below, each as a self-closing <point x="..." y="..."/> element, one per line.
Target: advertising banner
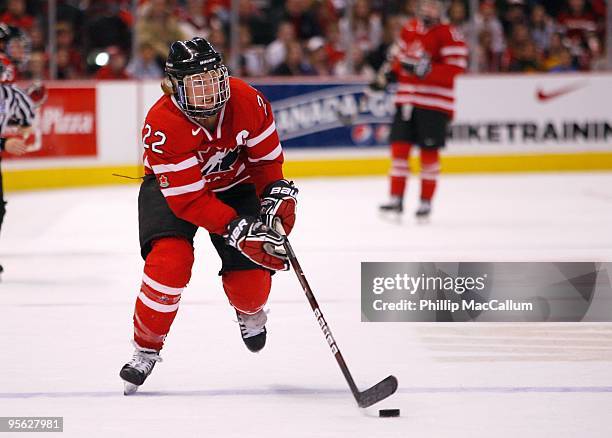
<point x="494" y="114"/>
<point x="324" y="115"/>
<point x="65" y="124"/>
<point x="533" y="113"/>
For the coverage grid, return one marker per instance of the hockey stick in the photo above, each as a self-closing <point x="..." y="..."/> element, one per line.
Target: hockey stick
<point x="370" y="396"/>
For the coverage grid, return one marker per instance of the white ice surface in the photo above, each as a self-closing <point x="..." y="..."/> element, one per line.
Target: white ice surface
<point x="72" y="272"/>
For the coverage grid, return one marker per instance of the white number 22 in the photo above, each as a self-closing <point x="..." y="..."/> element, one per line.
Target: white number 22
<point x="154" y="145"/>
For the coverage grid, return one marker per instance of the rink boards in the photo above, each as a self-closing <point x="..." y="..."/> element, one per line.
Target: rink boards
<point x="504" y="123"/>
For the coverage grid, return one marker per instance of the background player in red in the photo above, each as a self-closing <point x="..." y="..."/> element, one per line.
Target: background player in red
<point x="425" y="60"/>
<point x="212" y="160"/>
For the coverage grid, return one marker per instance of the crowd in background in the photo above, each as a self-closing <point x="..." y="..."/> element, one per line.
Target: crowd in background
<point x="295" y="37"/>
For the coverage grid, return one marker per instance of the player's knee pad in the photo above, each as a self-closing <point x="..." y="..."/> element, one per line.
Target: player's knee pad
<point x="400" y="150"/>
<point x="247" y="290"/>
<point x="169" y="262"/>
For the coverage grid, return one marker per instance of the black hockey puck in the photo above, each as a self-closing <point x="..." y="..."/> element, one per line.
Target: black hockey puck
<point x="389" y="413"/>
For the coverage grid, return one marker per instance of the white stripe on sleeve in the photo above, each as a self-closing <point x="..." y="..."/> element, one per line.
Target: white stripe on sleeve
<point x="271" y="156"/>
<point x="185" y="164"/>
<point x="261" y="137"/>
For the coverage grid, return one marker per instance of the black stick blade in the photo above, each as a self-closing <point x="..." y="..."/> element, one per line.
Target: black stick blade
<point x="378" y="392"/>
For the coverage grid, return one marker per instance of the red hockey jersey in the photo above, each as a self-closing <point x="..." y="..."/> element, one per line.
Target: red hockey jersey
<point x="191" y="163"/>
<point x="448" y="52"/>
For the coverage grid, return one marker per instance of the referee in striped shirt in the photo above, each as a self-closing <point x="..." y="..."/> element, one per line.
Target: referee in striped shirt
<point x="16" y="108"/>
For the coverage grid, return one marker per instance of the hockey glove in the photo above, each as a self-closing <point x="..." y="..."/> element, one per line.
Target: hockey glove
<point x="418" y="67"/>
<point x="382" y="80"/>
<point x="257" y="242"/>
<point x="278" y="203"/>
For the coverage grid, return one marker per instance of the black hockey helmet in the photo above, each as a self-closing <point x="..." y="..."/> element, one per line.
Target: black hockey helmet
<point x="200" y="81"/>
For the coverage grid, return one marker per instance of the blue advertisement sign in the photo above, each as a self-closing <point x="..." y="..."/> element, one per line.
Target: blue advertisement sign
<point x="321" y="115"/>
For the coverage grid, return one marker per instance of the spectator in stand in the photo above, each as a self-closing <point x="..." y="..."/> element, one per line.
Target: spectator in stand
<point x="317" y="56"/>
<point x="333" y="45"/>
<point x="361" y="68"/>
<point x="599" y="60"/>
<point x="457" y="16"/>
<point x="565" y="62"/>
<point x="578" y="21"/>
<point x="218" y="10"/>
<point x="38" y="67"/>
<point x="37" y="38"/>
<point x="16" y="15"/>
<point x="65" y="40"/>
<point x="515" y="14"/>
<point x="64" y="69"/>
<point x="303" y="19"/>
<point x="277" y="49"/>
<point x="366" y="30"/>
<point x="251" y="57"/>
<point x="115" y="68"/>
<point x="542" y="27"/>
<point x="192" y="21"/>
<point x="106" y="26"/>
<point x="486" y="21"/>
<point x="144" y="65"/>
<point x="158" y="27"/>
<point x="527" y="59"/>
<point x="219" y="41"/>
<point x="553" y="54"/>
<point x="409" y="9"/>
<point x="487" y="59"/>
<point x="519" y="39"/>
<point x="391" y="32"/>
<point x="294" y="64"/>
<point x="260" y="27"/>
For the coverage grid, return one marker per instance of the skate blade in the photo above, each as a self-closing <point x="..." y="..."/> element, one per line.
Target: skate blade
<point x="129" y="388"/>
<point x="423" y="220"/>
<point x="392" y="217"/>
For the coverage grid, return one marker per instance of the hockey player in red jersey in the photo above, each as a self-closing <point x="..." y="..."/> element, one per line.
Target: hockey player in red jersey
<point x="212" y="160"/>
<point x="425" y="60"/>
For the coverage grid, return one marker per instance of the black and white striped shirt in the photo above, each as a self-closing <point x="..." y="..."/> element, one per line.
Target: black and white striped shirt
<point x="15" y="108"/>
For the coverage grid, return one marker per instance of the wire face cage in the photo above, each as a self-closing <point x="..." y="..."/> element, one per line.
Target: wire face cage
<point x="204" y="94"/>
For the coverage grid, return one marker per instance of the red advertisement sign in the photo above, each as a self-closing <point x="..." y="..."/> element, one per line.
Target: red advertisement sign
<point x="65" y="124"/>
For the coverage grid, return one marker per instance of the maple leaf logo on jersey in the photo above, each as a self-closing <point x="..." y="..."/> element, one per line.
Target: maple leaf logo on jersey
<point x="222" y="160"/>
<point x="163" y="181"/>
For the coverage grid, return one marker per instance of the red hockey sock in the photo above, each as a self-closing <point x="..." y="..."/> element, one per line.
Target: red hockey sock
<point x="166" y="273"/>
<point x="247" y="290"/>
<point x="400" y="152"/>
<point x="430" y="168"/>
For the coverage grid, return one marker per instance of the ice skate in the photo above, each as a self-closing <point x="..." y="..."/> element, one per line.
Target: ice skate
<point x="395" y="205"/>
<point x="136" y="371"/>
<point x="423" y="212"/>
<point x="253" y="329"/>
<point x="392" y="210"/>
